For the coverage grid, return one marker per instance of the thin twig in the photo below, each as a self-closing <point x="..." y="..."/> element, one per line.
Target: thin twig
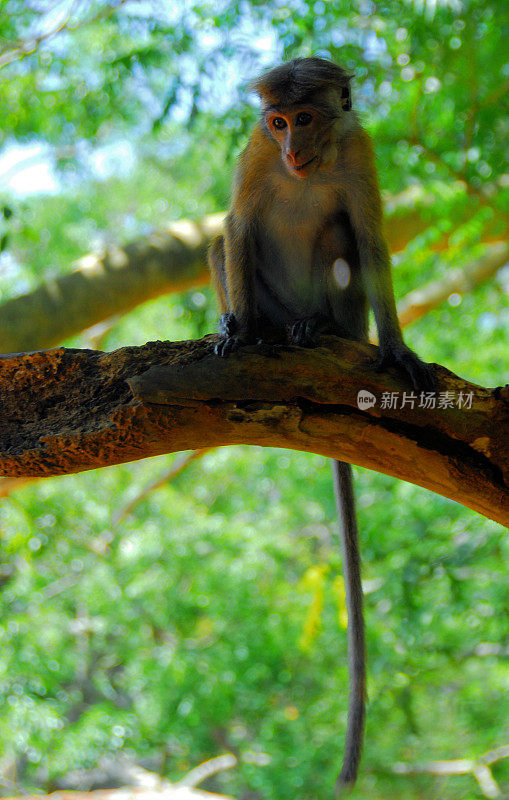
<point x="208" y="768"/>
<point x="437" y="158"/>
<point x="461" y="766"/>
<point x="175" y="469"/>
<point x="27" y="47"/>
<point x="474" y="93"/>
<point x="97" y="333"/>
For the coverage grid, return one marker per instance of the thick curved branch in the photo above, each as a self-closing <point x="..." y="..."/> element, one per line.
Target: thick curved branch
<point x="64" y="411"/>
<point x="109" y="283"/>
<point x="411" y="308"/>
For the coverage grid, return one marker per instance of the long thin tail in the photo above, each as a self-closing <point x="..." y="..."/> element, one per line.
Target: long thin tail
<point x="343" y="487"/>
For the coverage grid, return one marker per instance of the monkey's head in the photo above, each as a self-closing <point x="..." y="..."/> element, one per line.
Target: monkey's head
<point x="301" y="102"/>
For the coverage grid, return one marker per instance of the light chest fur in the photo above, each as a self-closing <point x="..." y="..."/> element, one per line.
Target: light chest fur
<point x="292" y="220"/>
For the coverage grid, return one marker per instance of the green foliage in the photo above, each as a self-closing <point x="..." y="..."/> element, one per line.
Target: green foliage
<point x="181" y="629"/>
<point x="210" y="617"/>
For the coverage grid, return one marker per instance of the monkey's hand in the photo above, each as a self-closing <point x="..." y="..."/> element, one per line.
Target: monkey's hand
<point x="232" y="338"/>
<point x="305" y="331"/>
<point x="228" y="325"/>
<point x="422" y="375"/>
<point x="228" y="345"/>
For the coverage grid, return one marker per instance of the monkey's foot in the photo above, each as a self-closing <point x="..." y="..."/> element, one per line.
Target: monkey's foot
<point x="304" y="331"/>
<point x="228" y="345"/>
<point x="228" y="325"/>
<point x="422" y="375"/>
<point x="229" y="342"/>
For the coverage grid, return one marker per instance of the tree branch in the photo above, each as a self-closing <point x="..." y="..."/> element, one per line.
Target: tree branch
<point x="105" y="284"/>
<point x="165" y="477"/>
<point x="411" y="308"/>
<point x="20" y="49"/>
<point x="418" y="302"/>
<point x="462" y="766"/>
<point x="65" y="411"/>
<point x="166" y="791"/>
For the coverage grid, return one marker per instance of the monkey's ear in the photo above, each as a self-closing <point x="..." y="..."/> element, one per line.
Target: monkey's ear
<point x="346" y="100"/>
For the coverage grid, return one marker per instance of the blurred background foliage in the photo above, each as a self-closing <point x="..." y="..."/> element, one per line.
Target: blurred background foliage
<point x="210" y="618"/>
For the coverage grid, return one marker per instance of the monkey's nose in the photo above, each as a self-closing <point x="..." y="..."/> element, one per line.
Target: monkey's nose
<point x="291" y="156"/>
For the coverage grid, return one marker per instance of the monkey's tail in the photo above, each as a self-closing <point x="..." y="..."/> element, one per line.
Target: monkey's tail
<point x="345" y="500"/>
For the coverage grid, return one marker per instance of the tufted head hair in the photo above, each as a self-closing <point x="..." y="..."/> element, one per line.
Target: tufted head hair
<point x="301" y="81"/>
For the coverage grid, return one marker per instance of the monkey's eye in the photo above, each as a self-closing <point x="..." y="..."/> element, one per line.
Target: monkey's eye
<point x="279" y="123"/>
<point x="303" y="118"/>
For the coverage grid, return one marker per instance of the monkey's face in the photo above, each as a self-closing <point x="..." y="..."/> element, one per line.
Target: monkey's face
<point x="298" y="132"/>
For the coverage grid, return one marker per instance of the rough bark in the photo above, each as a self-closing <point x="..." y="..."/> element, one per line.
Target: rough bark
<point x="103" y="285"/>
<point x="64" y="411"/>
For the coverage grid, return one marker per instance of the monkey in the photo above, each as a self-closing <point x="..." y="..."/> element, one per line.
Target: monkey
<point x="303" y="253"/>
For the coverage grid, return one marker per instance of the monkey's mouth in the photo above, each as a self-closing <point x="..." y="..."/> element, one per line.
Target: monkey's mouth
<point x="303" y="166"/>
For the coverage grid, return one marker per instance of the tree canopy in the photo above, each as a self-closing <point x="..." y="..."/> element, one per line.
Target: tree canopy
<point x="177" y="608"/>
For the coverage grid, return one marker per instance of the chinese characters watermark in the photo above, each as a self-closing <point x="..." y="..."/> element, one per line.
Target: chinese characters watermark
<point x="411" y="400"/>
